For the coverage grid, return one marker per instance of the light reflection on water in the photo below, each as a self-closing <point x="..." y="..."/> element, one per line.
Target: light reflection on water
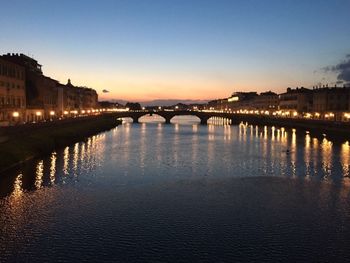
<point x="136" y="188"/>
<point x="186" y="149"/>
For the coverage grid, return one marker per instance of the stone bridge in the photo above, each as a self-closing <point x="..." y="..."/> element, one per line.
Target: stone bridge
<point x="168" y="115"/>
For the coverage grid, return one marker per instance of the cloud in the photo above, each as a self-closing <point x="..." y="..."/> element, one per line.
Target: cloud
<point x="105" y="91"/>
<point x="342" y="69"/>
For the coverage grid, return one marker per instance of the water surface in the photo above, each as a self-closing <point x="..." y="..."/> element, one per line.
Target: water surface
<point x="184" y="192"/>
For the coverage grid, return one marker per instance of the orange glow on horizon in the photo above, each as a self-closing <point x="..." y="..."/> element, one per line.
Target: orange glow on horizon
<point x="143" y="85"/>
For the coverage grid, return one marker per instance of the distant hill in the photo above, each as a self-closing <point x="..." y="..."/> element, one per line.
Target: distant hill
<point x="161" y="102"/>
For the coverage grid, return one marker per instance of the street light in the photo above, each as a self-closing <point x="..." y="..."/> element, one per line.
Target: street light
<point x="15" y="114"/>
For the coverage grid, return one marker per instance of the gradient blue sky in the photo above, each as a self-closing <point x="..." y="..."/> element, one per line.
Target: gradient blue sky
<point x="205" y="49"/>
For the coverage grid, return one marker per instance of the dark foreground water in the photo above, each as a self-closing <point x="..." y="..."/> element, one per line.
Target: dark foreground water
<point x="181" y="192"/>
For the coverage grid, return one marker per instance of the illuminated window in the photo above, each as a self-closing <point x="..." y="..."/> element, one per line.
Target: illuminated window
<point x="233" y="99"/>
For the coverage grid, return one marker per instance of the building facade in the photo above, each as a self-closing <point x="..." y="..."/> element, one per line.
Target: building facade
<point x="12" y="93"/>
<point x="24" y="89"/>
<point x="296" y="100"/>
<point x="331" y="99"/>
<point x="72" y="98"/>
<point x="241" y="101"/>
<point x="41" y="91"/>
<point x="266" y="101"/>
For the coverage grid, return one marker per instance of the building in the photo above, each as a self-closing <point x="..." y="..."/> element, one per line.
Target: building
<point x="296" y="100"/>
<point x="331" y="99"/>
<point x="89" y="98"/>
<point x="41" y="91"/>
<point x="241" y="101"/>
<point x="266" y="101"/>
<point x="12" y="93"/>
<point x="73" y="98"/>
<point x="219" y="104"/>
<point x="44" y="97"/>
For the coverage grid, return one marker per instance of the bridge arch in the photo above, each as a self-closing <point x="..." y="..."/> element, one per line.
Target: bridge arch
<point x="185" y="118"/>
<point x="168" y="115"/>
<point x="151" y="118"/>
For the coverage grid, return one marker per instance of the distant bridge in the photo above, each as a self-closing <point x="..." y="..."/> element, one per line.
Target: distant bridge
<point x="338" y="129"/>
<point x="168" y="115"/>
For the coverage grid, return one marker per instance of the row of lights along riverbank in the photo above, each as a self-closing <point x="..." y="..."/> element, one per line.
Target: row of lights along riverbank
<point x="74" y="113"/>
<point x="284" y="114"/>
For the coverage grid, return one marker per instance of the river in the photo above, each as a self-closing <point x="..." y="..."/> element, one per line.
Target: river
<point x="154" y="192"/>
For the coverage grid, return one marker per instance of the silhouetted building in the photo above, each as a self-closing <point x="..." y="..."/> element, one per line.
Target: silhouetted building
<point x="219" y="104"/>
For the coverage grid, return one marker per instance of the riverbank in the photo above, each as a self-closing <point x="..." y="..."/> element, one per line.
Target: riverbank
<point x="22" y="143"/>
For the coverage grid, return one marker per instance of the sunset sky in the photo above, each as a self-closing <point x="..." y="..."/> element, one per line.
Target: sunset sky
<point x="181" y="49"/>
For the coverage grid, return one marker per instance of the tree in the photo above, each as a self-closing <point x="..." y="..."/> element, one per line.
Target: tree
<point x="133" y="106"/>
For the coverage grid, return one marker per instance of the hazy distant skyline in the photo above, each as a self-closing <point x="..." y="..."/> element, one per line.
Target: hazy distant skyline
<point x="152" y="49"/>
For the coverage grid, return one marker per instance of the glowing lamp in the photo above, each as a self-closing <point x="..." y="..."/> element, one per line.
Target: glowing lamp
<point x="15" y="114"/>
